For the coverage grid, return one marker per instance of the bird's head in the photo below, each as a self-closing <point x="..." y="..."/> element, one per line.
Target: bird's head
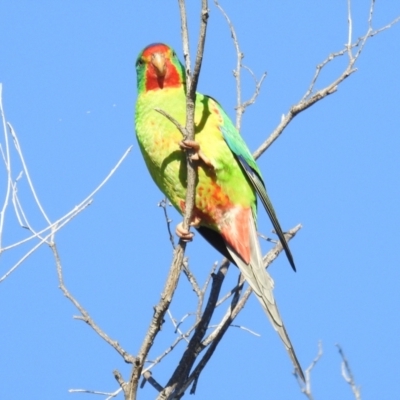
<point x="158" y="67"/>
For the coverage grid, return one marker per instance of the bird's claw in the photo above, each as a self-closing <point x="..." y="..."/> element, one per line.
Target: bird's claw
<point x="189" y="145"/>
<point x="197" y="153"/>
<point x="183" y="233"/>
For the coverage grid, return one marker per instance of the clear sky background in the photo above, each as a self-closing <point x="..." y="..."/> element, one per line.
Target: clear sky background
<point x="69" y="89"/>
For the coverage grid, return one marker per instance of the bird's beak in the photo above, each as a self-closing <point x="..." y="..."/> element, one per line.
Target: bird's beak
<point x="158" y="61"/>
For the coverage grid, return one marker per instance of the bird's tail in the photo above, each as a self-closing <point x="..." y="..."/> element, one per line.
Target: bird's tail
<point x="262" y="284"/>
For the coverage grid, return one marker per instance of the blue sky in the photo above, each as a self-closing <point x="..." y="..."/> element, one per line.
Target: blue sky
<point x="69" y="89"/>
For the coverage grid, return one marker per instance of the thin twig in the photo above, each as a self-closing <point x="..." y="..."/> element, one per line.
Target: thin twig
<point x="240" y="327"/>
<point x="311" y="98"/>
<point x="240" y="105"/>
<point x="191" y="278"/>
<point x="257" y="84"/>
<point x="202" y="293"/>
<point x="181" y="128"/>
<point x="84" y="314"/>
<point x="56" y="226"/>
<point x="236" y="71"/>
<point x="177" y="324"/>
<point x="110" y="395"/>
<point x="7" y="162"/>
<point x="83" y="204"/>
<point x="169" y="349"/>
<point x="209" y="276"/>
<point x="164" y="203"/>
<point x="41" y="242"/>
<point x="348" y="375"/>
<point x="26" y="171"/>
<point x="305" y="386"/>
<point x="350" y="31"/>
<point x="266" y="238"/>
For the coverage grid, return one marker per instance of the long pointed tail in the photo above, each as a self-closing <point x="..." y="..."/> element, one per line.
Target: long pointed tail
<point x="262" y="285"/>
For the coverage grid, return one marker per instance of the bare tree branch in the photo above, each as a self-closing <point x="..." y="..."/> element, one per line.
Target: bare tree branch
<point x="241" y="106"/>
<point x="84" y="314"/>
<point x="191" y="278"/>
<point x="169" y="349"/>
<point x="147" y="377"/>
<point x="45" y="234"/>
<point x="244" y="329"/>
<point x="164" y="203"/>
<point x="348" y="375"/>
<point x="108" y="394"/>
<point x="213" y="339"/>
<point x="311" y="98"/>
<point x="177" y="324"/>
<point x="26" y="171"/>
<point x="179" y="378"/>
<point x="306" y="386"/>
<point x="181" y="128"/>
<point x="7" y="162"/>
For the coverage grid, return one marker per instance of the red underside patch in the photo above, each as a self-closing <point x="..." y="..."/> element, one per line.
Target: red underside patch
<point x="232" y="220"/>
<point x="237" y="234"/>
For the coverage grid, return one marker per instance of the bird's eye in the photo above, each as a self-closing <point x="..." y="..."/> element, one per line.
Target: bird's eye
<point x="173" y="54"/>
<point x="139" y="62"/>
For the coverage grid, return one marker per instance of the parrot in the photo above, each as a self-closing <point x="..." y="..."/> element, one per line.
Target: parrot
<point x="228" y="178"/>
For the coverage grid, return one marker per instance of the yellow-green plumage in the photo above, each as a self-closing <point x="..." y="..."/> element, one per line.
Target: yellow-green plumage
<point x="159" y="142"/>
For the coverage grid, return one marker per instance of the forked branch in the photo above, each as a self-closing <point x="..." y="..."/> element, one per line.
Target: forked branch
<point x="311" y="97"/>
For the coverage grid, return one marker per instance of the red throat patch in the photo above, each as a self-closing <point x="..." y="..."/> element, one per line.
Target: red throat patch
<point x="172" y="77"/>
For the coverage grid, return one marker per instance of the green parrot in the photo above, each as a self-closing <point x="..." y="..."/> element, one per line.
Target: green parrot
<point x="229" y="179"/>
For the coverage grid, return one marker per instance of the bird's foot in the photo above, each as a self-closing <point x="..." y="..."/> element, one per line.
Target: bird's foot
<point x="185" y="234"/>
<point x="197" y="153"/>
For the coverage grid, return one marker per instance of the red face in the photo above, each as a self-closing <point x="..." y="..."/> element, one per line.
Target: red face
<point x="162" y="67"/>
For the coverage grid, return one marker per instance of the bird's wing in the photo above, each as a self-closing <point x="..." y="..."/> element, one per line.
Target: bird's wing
<point x="239" y="148"/>
<point x="258" y="184"/>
